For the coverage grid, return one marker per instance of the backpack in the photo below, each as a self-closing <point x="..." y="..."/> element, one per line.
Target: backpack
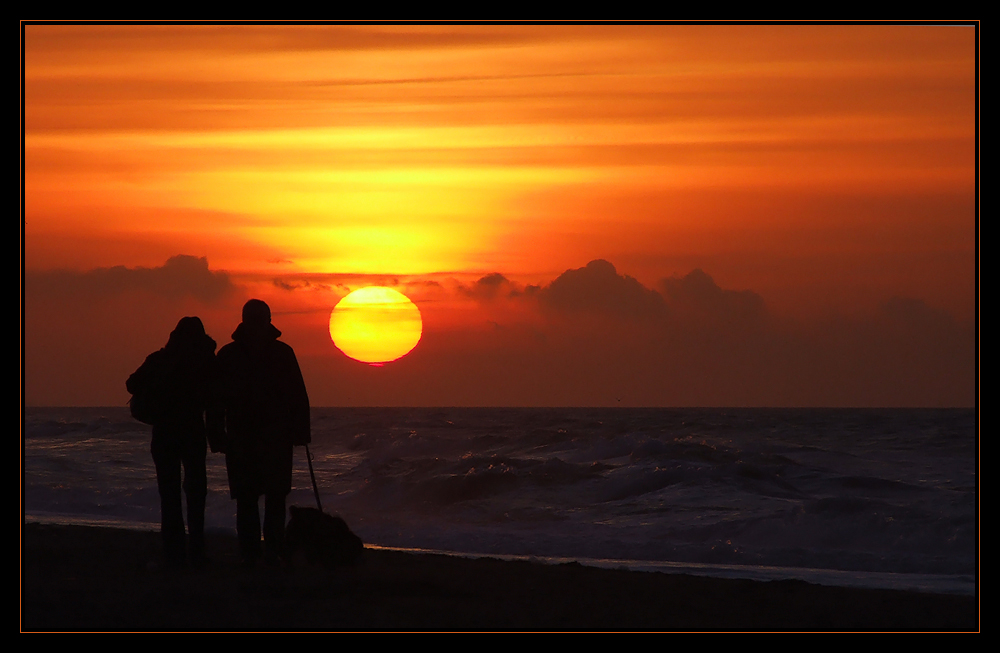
<point x="151" y="401"/>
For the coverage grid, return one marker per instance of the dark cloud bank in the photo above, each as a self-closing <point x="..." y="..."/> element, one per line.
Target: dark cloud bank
<point x="591" y="337"/>
<point x="605" y="339"/>
<point x="84" y="330"/>
<point x="180" y="276"/>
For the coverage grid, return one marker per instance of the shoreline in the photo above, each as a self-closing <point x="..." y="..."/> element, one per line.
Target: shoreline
<point x="957" y="584"/>
<point x="88" y="578"/>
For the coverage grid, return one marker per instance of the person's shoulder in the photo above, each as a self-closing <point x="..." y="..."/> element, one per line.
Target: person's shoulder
<point x="283" y="346"/>
<point x="227" y="351"/>
<point x="156" y="357"/>
<point x="229" y="348"/>
<point x="284" y="350"/>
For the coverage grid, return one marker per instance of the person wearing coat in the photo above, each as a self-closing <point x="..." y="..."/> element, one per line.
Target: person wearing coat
<point x="266" y="414"/>
<point x="174" y="387"/>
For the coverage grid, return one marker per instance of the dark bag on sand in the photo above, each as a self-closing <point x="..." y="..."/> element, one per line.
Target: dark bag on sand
<point x="324" y="539"/>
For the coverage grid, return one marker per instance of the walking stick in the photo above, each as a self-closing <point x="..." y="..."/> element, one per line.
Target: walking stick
<point x="312" y="475"/>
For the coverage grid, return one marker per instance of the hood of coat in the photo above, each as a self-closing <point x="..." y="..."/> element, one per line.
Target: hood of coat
<point x="255" y="332"/>
<point x="190" y="338"/>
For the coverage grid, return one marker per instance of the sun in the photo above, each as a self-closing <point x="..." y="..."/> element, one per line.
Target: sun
<point x="375" y="325"/>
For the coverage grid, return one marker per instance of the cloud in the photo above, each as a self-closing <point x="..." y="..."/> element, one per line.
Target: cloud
<point x="699" y="294"/>
<point x="85" y="332"/>
<point x="302" y="285"/>
<point x="490" y="287"/>
<point x="907" y="353"/>
<point x="180" y="276"/>
<point x="915" y="313"/>
<point x="599" y="289"/>
<point x="592" y="336"/>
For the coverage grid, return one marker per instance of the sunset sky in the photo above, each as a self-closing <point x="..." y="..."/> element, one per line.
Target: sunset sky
<point x="584" y="215"/>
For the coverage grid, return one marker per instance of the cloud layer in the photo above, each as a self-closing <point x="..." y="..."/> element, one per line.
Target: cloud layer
<point x="180" y="276"/>
<point x="591" y="336"/>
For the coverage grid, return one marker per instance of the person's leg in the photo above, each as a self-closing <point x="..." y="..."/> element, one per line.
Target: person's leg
<point x="195" y="490"/>
<point x="274" y="526"/>
<point x="167" y="459"/>
<point x="248" y="527"/>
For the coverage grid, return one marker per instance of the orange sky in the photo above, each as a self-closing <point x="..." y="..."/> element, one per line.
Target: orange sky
<point x="828" y="169"/>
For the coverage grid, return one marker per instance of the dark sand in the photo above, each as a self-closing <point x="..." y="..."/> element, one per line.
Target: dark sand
<point x="85" y="579"/>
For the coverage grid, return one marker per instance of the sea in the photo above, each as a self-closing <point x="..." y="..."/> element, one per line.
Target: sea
<point x="883" y="498"/>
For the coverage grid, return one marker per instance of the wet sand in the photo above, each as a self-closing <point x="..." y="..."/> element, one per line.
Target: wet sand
<point x="76" y="578"/>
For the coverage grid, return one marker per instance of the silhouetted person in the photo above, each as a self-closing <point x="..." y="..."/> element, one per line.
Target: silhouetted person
<point x="173" y="388"/>
<point x="266" y="414"/>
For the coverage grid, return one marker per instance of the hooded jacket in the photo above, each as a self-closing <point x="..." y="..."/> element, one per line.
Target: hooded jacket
<point x="179" y="379"/>
<point x="266" y="409"/>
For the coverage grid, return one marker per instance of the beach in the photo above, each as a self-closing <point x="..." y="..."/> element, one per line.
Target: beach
<point x="623" y="327"/>
<point x="79" y="578"/>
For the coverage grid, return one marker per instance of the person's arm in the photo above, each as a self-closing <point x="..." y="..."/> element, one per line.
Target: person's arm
<point x="215" y="405"/>
<point x="215" y="411"/>
<point x="300" y="427"/>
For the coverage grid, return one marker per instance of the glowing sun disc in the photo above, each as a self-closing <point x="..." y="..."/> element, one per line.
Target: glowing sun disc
<point x="375" y="325"/>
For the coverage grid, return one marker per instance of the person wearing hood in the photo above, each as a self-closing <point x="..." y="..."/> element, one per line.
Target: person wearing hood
<point x="174" y="387"/>
<point x="266" y="414"/>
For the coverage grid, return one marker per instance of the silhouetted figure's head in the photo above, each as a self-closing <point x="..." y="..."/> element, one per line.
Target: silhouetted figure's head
<point x="256" y="312"/>
<point x="189" y="332"/>
<point x="256" y="325"/>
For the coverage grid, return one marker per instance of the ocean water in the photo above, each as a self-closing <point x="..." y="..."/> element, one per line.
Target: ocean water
<point x="865" y="497"/>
